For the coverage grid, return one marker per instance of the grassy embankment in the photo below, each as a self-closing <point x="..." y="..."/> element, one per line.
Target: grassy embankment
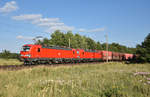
<point x="97" y="80"/>
<point x="10" y="62"/>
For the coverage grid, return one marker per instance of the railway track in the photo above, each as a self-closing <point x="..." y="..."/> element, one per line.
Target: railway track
<point x="13" y="67"/>
<point x="19" y="67"/>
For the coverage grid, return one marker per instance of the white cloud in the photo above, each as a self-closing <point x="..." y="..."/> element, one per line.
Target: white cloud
<point x="92" y="30"/>
<point x="27" y="17"/>
<point x="62" y="28"/>
<point x="45" y="20"/>
<point x="51" y="24"/>
<point x="24" y="37"/>
<point x="9" y="7"/>
<point x="97" y="30"/>
<point x="82" y="30"/>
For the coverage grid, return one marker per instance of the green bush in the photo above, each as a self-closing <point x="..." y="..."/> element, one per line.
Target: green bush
<point x="8" y="55"/>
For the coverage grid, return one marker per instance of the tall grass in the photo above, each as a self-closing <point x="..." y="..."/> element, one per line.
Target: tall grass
<point x="10" y="62"/>
<point x="97" y="80"/>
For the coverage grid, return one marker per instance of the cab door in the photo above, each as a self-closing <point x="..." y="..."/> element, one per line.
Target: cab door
<point x="74" y="53"/>
<point x="81" y="54"/>
<point x="78" y="53"/>
<point x="37" y="52"/>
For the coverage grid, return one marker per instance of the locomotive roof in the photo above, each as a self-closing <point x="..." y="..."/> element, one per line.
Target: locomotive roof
<point x="87" y="50"/>
<point x="56" y="47"/>
<point x="31" y="45"/>
<point x="63" y="48"/>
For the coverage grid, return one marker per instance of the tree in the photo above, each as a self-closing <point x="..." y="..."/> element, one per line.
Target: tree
<point x="69" y="37"/>
<point x="57" y="38"/>
<point x="91" y="44"/>
<point x="98" y="46"/>
<point x="143" y="50"/>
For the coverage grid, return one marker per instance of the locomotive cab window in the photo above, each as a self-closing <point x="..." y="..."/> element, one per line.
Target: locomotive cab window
<point x="38" y="49"/>
<point x="26" y="48"/>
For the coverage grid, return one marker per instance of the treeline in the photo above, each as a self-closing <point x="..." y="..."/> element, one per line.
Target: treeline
<point x="8" y="55"/>
<point x="77" y="41"/>
<point x="58" y="38"/>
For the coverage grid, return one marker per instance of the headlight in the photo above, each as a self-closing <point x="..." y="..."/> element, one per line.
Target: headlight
<point x="28" y="55"/>
<point x="21" y="55"/>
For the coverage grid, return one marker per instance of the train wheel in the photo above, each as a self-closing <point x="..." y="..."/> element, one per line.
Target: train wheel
<point x="49" y="62"/>
<point x="27" y="63"/>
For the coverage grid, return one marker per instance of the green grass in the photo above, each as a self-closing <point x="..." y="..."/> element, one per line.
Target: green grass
<point x="10" y="62"/>
<point x="97" y="80"/>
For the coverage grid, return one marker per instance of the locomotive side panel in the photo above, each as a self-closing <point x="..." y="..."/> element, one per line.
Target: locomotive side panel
<point x="97" y="56"/>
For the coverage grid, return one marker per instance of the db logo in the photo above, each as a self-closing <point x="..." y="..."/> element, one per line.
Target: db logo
<point x="59" y="54"/>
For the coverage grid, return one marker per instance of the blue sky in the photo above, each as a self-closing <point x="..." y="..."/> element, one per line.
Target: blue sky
<point x="124" y="21"/>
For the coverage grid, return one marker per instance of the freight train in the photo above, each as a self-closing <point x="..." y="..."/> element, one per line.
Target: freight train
<point x="39" y="54"/>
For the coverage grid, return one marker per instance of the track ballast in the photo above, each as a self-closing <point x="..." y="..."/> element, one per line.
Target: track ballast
<point x="19" y="67"/>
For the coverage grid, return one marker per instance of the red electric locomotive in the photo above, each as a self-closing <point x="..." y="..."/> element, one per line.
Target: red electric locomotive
<point x="35" y="54"/>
